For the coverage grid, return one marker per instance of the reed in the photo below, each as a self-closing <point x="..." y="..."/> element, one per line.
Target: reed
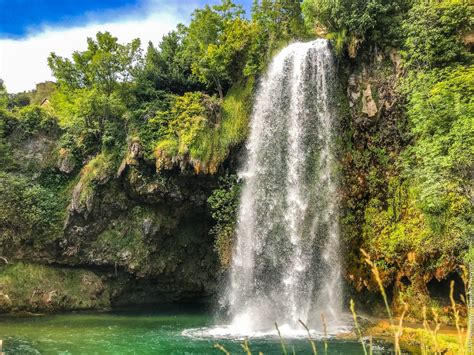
<point x="313" y="344"/>
<point x="221" y="348"/>
<point x="246" y="347"/>
<point x="325" y="328"/>
<point x="282" y="342"/>
<point x="356" y="323"/>
<point x="457" y="320"/>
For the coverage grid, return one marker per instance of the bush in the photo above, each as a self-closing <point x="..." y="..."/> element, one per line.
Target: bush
<point x="434" y="33"/>
<point x="198" y="130"/>
<point x="224" y="203"/>
<point x="28" y="211"/>
<point x="352" y="22"/>
<point x="441" y="110"/>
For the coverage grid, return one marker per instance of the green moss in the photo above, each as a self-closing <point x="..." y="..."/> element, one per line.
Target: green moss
<point x="126" y="241"/>
<point x="38" y="287"/>
<point x="224" y="203"/>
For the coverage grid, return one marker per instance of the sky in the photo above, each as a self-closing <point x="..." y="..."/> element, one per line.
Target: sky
<point x="31" y="29"/>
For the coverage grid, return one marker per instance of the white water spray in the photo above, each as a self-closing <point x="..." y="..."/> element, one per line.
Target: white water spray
<point x="285" y="264"/>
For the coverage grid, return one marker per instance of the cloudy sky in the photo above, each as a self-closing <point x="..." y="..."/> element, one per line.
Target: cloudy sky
<point x="31" y="29"/>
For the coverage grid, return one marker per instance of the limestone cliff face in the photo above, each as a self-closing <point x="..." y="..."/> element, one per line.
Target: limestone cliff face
<point x="134" y="235"/>
<point x="152" y="227"/>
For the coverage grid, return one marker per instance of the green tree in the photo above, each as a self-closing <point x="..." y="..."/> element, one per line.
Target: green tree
<point x="352" y="22"/>
<point x="3" y="95"/>
<point x="166" y="68"/>
<point x="275" y="22"/>
<point x="104" y="65"/>
<point x="93" y="86"/>
<point x="434" y="32"/>
<point x="439" y="163"/>
<point x="280" y="19"/>
<point x="217" y="40"/>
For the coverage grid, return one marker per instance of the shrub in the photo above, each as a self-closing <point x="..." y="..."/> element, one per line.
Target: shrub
<point x="224" y="203"/>
<point x="28" y="210"/>
<point x="350" y="23"/>
<point x="434" y="31"/>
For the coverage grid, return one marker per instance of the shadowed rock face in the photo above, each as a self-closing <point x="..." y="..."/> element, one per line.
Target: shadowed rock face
<point x="152" y="229"/>
<point x="143" y="236"/>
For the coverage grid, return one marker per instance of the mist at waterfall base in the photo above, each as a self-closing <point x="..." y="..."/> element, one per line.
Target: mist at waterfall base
<point x="285" y="264"/>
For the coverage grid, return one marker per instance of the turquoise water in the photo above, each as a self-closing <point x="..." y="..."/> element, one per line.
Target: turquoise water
<point x="136" y="332"/>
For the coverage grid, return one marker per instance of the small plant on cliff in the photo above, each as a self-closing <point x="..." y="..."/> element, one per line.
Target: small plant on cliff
<point x="224" y="203"/>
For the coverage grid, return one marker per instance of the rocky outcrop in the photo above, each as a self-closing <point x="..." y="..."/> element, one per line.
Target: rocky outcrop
<point x="66" y="161"/>
<point x="130" y="235"/>
<point x="148" y="226"/>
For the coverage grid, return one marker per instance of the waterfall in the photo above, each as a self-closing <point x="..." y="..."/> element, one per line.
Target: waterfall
<point x="286" y="263"/>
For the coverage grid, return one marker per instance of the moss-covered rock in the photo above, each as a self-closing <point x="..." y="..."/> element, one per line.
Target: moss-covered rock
<point x="34" y="288"/>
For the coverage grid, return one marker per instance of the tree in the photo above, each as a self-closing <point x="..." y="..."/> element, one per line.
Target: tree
<point x="440" y="108"/>
<point x="92" y="84"/>
<point x="282" y="19"/>
<point x="166" y="68"/>
<point x="104" y="65"/>
<point x="216" y="41"/>
<point x="434" y="30"/>
<point x="352" y="22"/>
<point x="3" y="95"/>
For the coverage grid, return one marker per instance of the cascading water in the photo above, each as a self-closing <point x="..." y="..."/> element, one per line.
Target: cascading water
<point x="286" y="263"/>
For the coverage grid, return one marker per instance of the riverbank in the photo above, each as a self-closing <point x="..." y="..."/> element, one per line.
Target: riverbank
<point x="417" y="338"/>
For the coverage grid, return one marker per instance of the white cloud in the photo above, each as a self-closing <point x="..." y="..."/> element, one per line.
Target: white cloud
<point x="23" y="62"/>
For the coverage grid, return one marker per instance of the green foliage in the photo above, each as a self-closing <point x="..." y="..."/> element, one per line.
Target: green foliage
<point x="224" y="203"/>
<point x="28" y="211"/>
<point x="434" y="32"/>
<point x="21" y="99"/>
<point x="276" y="23"/>
<point x="125" y="244"/>
<point x="38" y="287"/>
<point x="396" y="226"/>
<point x="31" y="119"/>
<point x="3" y="96"/>
<point x="42" y="91"/>
<point x="414" y="202"/>
<point x="5" y="149"/>
<point x="279" y="18"/>
<point x="187" y="118"/>
<point x="217" y="41"/>
<point x="166" y="68"/>
<point x="352" y="22"/>
<point x="96" y="172"/>
<point x="197" y="130"/>
<point x="91" y="116"/>
<point x="93" y="89"/>
<point x="441" y="113"/>
<point x="104" y="65"/>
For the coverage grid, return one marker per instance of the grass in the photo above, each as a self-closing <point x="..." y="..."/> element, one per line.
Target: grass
<point x="213" y="145"/>
<point x="206" y="131"/>
<point x="97" y="171"/>
<point x="427" y="338"/>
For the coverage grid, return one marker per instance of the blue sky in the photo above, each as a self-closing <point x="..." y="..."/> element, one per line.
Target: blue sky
<point x="31" y="29"/>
